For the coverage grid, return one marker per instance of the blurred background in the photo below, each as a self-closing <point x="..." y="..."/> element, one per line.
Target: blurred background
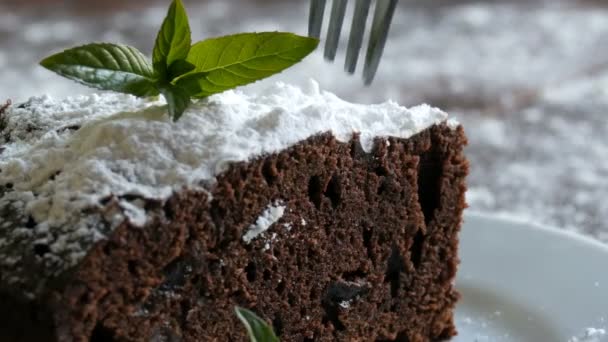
<point x="527" y="78"/>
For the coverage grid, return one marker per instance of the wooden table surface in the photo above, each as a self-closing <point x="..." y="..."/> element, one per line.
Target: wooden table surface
<point x="528" y="79"/>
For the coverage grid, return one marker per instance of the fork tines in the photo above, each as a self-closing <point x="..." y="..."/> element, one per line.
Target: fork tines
<point x="383" y="15"/>
<point x="315" y="19"/>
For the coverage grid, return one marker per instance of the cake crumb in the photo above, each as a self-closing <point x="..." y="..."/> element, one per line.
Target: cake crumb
<point x="3" y="119"/>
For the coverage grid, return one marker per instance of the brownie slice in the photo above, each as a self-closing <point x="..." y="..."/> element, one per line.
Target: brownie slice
<point x="323" y="239"/>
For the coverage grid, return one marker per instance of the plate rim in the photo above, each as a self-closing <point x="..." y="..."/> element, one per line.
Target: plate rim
<point x="594" y="316"/>
<point x="551" y="230"/>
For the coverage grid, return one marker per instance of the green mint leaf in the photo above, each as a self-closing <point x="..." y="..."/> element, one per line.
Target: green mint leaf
<point x="192" y="84"/>
<point x="173" y="40"/>
<point x="107" y="67"/>
<point x="179" y="68"/>
<point x="178" y="101"/>
<point x="257" y="328"/>
<point x="227" y="62"/>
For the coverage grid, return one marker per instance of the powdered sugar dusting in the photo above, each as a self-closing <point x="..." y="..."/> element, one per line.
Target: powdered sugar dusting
<point x="345" y="304"/>
<point x="589" y="335"/>
<point x="63" y="157"/>
<point x="271" y="214"/>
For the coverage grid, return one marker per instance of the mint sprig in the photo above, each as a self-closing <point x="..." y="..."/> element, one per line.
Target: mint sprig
<point x="106" y="66"/>
<point x="178" y="70"/>
<point x="257" y="328"/>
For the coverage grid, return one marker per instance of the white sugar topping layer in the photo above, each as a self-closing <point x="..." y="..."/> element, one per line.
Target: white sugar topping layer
<point x="64" y="156"/>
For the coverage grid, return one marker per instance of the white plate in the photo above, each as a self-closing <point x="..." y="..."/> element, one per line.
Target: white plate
<point x="522" y="282"/>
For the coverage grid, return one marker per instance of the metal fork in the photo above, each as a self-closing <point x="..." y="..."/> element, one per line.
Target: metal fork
<point x="383" y="15"/>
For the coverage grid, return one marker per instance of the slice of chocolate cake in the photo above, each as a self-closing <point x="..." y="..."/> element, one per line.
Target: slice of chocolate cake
<point x="330" y="220"/>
